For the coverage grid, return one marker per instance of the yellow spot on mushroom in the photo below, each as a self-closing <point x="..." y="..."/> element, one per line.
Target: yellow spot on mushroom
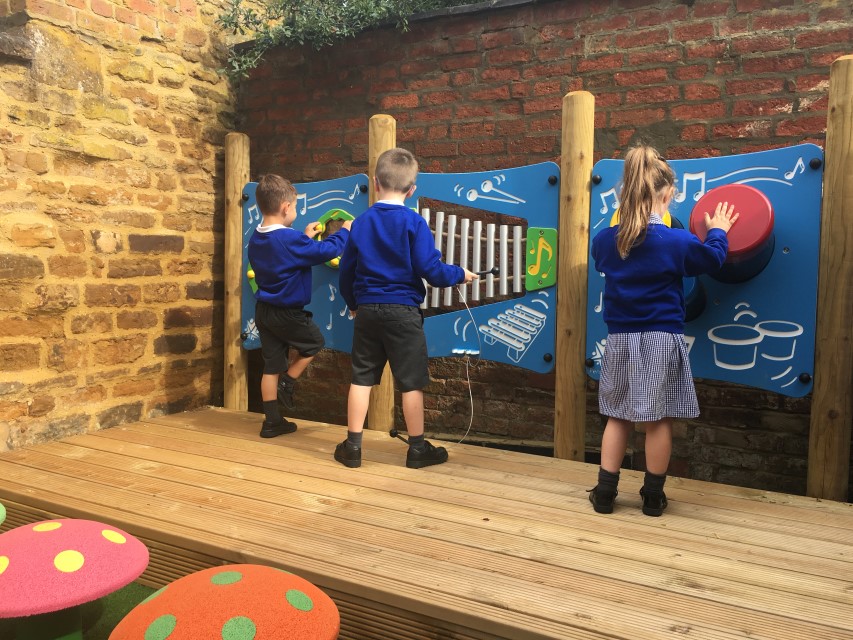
<point x="4" y="564"/>
<point x="47" y="526"/>
<point x="68" y="561"/>
<point x="113" y="536"/>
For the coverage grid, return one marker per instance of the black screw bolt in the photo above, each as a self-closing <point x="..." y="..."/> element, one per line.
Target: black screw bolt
<point x="589" y="362"/>
<point x="805" y="378"/>
<point x="552" y="180"/>
<point x="245" y="197"/>
<point x="244" y="335"/>
<point x="362" y="188"/>
<point x="596" y="179"/>
<point x="815" y="163"/>
<point x="547" y="357"/>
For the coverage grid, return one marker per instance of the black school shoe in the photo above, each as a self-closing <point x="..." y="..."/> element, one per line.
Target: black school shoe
<point x="273" y="429"/>
<point x="654" y="502"/>
<point x="285" y="394"/>
<point x="347" y="455"/>
<point x="429" y="455"/>
<point x="602" y="501"/>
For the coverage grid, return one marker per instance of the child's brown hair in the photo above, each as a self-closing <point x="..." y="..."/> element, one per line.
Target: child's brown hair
<point x="272" y="192"/>
<point x="397" y="170"/>
<point x="646" y="175"/>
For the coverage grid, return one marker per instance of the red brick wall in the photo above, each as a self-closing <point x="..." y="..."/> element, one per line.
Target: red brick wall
<point x="483" y="91"/>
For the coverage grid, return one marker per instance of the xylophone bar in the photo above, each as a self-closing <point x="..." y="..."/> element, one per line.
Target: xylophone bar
<point x="446" y="243"/>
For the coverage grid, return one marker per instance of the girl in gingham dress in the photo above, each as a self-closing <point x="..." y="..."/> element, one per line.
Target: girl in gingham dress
<point x="645" y="372"/>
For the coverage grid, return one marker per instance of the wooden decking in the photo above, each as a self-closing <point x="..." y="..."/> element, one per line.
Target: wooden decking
<point x="493" y="544"/>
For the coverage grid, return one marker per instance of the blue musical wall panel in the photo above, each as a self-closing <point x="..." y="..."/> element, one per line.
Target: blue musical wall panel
<point x="313" y="200"/>
<point x="758" y="332"/>
<point x="520" y="331"/>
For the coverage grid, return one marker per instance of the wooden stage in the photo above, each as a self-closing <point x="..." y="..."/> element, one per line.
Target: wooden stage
<point x="492" y="544"/>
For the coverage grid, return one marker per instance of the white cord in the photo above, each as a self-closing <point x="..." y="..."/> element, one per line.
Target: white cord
<point x="467" y="361"/>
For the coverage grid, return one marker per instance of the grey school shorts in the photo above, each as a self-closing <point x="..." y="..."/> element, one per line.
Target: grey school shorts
<point x="282" y="329"/>
<point x="392" y="333"/>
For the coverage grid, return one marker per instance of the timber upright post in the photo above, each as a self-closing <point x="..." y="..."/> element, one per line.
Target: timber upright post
<point x="832" y="396"/>
<point x="236" y="359"/>
<point x="382" y="135"/>
<point x="576" y="160"/>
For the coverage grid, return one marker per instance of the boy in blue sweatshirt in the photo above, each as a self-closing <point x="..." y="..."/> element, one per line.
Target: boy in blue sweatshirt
<point x="391" y="251"/>
<point x="282" y="258"/>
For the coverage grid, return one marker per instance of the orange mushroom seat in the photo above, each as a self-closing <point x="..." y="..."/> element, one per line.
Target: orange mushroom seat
<point x="234" y="602"/>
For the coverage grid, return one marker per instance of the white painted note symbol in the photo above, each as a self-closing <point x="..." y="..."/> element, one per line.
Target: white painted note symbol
<point x="798" y="168"/>
<point x="332" y="291"/>
<point x="329" y="326"/>
<point x="302" y="208"/>
<point x="254" y="213"/>
<point x="597" y="308"/>
<point x="691" y="177"/>
<point x="614" y="204"/>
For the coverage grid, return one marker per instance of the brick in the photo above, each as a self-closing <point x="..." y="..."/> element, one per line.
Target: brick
<point x="63" y="266"/>
<point x="120" y="414"/>
<point x="709" y="111"/>
<point x="20" y="357"/>
<point x="98" y="322"/>
<point x="808" y="125"/>
<point x="779" y="21"/>
<point x="642" y="38"/>
<point x="175" y="344"/>
<point x="155" y="243"/>
<point x="33" y="235"/>
<point x="655" y="94"/>
<point x="762" y="107"/>
<point x="701" y="91"/>
<point x="751" y="129"/>
<point x="121" y="350"/>
<point x="635" y="117"/>
<point x="694" y="132"/>
<point x="140" y="319"/>
<point x="756" y="85"/>
<point x="758" y="44"/>
<point x="110" y="295"/>
<point x="773" y="64"/>
<point x="609" y="61"/>
<point x="639" y="78"/>
<point x="132" y="268"/>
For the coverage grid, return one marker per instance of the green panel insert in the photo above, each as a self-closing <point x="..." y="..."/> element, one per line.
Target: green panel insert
<point x="250" y="274"/>
<point x="540" y="258"/>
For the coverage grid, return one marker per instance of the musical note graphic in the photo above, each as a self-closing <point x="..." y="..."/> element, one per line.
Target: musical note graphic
<point x="332" y="291"/>
<point x="613" y="205"/>
<point x="303" y="208"/>
<point x="254" y="214"/>
<point x="354" y="193"/>
<point x="691" y="177"/>
<point x="798" y="168"/>
<point x="597" y="308"/>
<point x="541" y="247"/>
<point x="329" y="325"/>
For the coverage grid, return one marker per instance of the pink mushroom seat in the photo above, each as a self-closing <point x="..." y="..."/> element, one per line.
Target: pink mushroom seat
<point x="235" y="602"/>
<point x="48" y="569"/>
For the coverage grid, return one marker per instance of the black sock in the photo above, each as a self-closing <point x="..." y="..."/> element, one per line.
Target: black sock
<point x="608" y="481"/>
<point x="271" y="413"/>
<point x="284" y="378"/>
<point x="654" y="482"/>
<point x="416" y="442"/>
<point x="354" y="439"/>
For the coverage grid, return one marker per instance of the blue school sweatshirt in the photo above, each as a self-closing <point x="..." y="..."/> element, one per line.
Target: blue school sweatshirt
<point x="282" y="258"/>
<point x="644" y="292"/>
<point x="390" y="252"/>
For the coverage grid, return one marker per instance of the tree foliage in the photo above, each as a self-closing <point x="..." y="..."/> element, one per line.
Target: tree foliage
<point x="320" y="23"/>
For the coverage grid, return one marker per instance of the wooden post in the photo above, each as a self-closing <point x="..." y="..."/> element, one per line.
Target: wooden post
<point x="236" y="176"/>
<point x="382" y="135"/>
<point x="576" y="172"/>
<point x="832" y="397"/>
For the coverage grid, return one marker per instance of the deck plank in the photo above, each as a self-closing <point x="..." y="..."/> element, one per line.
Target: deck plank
<point x="494" y="544"/>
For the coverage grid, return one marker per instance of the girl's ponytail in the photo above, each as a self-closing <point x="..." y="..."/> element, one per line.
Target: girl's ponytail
<point x="646" y="173"/>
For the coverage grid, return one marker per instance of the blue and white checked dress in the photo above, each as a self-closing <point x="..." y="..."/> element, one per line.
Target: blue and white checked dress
<point x="646" y="376"/>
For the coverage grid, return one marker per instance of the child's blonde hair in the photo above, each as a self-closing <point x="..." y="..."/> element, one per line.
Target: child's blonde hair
<point x="396" y="170"/>
<point x="646" y="175"/>
<point x="272" y="192"/>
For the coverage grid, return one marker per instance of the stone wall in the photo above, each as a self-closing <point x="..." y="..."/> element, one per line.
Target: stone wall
<point x="112" y="120"/>
<point x="483" y="90"/>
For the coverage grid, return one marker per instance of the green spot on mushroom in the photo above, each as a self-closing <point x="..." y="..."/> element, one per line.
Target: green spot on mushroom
<point x="227" y="577"/>
<point x="239" y="628"/>
<point x="161" y="628"/>
<point x="299" y="600"/>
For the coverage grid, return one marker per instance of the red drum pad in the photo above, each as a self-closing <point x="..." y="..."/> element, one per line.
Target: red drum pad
<point x="751" y="238"/>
